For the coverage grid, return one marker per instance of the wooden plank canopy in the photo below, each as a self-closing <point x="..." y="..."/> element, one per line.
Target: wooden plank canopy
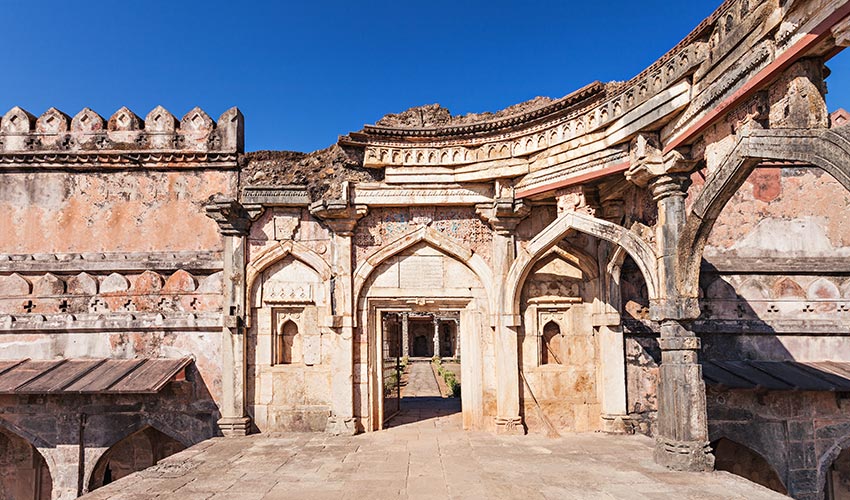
<point x="89" y="376"/>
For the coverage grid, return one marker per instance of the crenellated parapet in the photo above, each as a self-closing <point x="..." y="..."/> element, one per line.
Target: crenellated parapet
<point x="87" y="139"/>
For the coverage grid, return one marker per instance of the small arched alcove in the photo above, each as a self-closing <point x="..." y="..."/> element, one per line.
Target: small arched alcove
<point x="23" y="471"/>
<point x="138" y="451"/>
<point x="742" y="461"/>
<point x="287" y="344"/>
<point x="551" y="352"/>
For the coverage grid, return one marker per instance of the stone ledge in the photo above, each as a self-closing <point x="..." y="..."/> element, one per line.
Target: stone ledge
<point x="112" y="262"/>
<point x="121" y="322"/>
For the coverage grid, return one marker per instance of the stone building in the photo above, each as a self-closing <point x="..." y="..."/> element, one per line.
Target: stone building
<point x="668" y="255"/>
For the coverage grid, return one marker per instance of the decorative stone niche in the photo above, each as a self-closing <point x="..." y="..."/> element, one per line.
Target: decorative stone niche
<point x="297" y="338"/>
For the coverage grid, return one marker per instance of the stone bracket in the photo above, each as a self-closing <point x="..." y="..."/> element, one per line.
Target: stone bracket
<point x="503" y="214"/>
<point x="233" y="218"/>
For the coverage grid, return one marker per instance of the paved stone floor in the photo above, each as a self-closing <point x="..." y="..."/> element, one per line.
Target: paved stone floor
<point x="420" y="380"/>
<point x="424" y="455"/>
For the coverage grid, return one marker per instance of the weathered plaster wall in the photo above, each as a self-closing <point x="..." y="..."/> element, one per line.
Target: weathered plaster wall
<point x="793" y="212"/>
<point x="110" y="211"/>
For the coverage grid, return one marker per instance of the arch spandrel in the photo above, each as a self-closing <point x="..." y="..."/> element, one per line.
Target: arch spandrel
<point x="435" y="239"/>
<point x="643" y="254"/>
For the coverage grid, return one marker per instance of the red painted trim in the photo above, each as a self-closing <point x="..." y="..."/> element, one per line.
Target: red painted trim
<point x="765" y="76"/>
<point x="579" y="179"/>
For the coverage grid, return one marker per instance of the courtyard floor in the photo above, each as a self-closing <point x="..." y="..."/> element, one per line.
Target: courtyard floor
<point x="424" y="454"/>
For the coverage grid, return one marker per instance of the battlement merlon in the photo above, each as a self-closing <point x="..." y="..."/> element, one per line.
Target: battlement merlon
<point x="23" y="135"/>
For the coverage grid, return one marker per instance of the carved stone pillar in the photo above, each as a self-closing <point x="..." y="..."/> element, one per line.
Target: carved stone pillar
<point x="503" y="215"/>
<point x="682" y="440"/>
<point x="234" y="222"/>
<point x="342" y="218"/>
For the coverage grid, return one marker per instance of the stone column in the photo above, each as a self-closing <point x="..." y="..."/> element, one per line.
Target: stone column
<point x="457" y="338"/>
<point x="405" y="334"/>
<point x="503" y="215"/>
<point x="436" y="336"/>
<point x="682" y="439"/>
<point x="234" y="222"/>
<point x="342" y="218"/>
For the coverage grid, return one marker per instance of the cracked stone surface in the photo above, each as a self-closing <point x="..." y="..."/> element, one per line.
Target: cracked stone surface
<point x="424" y="454"/>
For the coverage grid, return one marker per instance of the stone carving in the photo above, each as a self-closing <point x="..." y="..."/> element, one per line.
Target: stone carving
<point x="47" y="285"/>
<point x="180" y="281"/>
<point x="278" y="292"/>
<point x="114" y="283"/>
<point x="82" y="284"/>
<point x="285" y="226"/>
<point x="14" y="285"/>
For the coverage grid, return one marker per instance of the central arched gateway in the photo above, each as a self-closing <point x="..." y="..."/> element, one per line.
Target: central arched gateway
<point x="425" y="273"/>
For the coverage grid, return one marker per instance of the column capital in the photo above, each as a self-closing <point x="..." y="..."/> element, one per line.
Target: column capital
<point x="503" y="214"/>
<point x="233" y="218"/>
<point x="671" y="184"/>
<point x="340" y="216"/>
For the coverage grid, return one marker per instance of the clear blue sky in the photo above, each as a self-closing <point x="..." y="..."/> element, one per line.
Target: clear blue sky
<point x="304" y="72"/>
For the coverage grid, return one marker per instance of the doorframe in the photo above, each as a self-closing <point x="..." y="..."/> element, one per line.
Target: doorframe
<point x="376" y="306"/>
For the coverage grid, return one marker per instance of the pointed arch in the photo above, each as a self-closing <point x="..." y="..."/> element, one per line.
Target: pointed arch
<point x="434" y="238"/>
<point x="278" y="252"/>
<point x="827" y="459"/>
<point x="640" y="251"/>
<point x="742" y="460"/>
<point x="827" y="149"/>
<point x="155" y="445"/>
<point x="32" y="475"/>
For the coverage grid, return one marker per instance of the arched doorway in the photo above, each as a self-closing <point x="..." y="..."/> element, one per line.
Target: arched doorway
<point x="426" y="283"/>
<point x="742" y="461"/>
<point x="138" y="451"/>
<point x="23" y="472"/>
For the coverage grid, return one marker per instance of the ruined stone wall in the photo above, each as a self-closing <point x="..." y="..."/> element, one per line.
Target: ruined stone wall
<point x="183" y="410"/>
<point x="106" y="252"/>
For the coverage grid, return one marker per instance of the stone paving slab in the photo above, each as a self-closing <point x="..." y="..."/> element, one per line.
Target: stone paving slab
<point x="429" y="457"/>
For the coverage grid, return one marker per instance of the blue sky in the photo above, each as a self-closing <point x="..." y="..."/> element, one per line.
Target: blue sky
<point x="305" y="72"/>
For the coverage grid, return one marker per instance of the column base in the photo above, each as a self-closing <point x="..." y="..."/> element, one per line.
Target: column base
<point x="234" y="426"/>
<point x="691" y="456"/>
<point x="510" y="426"/>
<point x="339" y="426"/>
<point x="617" y="424"/>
